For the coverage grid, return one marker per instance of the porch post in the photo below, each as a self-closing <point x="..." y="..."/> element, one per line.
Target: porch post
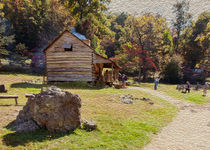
<point x="112" y="73"/>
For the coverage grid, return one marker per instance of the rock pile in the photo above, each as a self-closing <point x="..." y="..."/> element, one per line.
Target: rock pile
<point x="53" y="109"/>
<point x="129" y="99"/>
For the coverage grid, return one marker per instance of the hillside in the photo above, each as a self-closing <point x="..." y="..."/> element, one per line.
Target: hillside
<point x="162" y="7"/>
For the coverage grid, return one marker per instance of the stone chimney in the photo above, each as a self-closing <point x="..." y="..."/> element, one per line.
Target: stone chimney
<point x="86" y="41"/>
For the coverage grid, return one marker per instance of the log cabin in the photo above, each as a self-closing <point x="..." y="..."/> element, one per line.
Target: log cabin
<point x="69" y="58"/>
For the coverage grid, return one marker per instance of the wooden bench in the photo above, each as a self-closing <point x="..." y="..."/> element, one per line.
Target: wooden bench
<point x="10" y="97"/>
<point x="28" y="95"/>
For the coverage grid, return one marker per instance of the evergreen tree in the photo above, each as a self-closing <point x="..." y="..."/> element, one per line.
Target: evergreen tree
<point x="5" y="40"/>
<point x="182" y="20"/>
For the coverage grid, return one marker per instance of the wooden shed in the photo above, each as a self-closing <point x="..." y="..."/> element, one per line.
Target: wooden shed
<point x="69" y="58"/>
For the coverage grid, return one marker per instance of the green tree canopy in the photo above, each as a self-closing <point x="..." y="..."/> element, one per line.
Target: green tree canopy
<point x="82" y="8"/>
<point x="182" y="20"/>
<point x="36" y="22"/>
<point x="196" y="40"/>
<point x="5" y="39"/>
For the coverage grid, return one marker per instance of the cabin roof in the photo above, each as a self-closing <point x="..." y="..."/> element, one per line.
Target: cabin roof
<point x="58" y="37"/>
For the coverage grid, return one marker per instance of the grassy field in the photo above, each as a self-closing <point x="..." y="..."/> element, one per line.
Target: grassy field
<point x="170" y="90"/>
<point x="120" y="126"/>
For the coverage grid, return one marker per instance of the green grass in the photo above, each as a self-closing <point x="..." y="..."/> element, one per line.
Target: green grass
<point x="170" y="90"/>
<point x="120" y="126"/>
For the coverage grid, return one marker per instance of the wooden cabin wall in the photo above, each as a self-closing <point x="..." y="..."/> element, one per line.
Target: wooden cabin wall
<point x="76" y="65"/>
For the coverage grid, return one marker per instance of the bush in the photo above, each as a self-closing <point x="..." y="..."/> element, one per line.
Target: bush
<point x="172" y="72"/>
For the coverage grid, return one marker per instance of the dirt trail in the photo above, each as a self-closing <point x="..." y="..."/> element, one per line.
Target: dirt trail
<point x="190" y="130"/>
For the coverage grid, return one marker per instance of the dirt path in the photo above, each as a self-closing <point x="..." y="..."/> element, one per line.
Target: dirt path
<point x="190" y="130"/>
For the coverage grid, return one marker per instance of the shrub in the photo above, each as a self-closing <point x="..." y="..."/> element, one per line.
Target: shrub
<point x="172" y="72"/>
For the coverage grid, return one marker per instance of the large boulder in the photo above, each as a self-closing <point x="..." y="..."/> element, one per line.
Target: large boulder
<point x="53" y="109"/>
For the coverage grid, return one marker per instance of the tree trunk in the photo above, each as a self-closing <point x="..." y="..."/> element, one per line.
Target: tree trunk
<point x="139" y="76"/>
<point x="144" y="74"/>
<point x="81" y="14"/>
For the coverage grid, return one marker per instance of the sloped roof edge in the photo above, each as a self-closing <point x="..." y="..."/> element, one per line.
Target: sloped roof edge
<point x="57" y="38"/>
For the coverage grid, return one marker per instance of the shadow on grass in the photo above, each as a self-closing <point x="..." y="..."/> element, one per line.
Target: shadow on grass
<point x="62" y="85"/>
<point x="16" y="139"/>
<point x="27" y="85"/>
<point x="10" y="105"/>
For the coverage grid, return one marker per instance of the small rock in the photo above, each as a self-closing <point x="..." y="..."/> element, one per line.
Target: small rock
<point x="122" y="96"/>
<point x="112" y="99"/>
<point x="127" y="101"/>
<point x="193" y="111"/>
<point x="89" y="125"/>
<point x="151" y="103"/>
<point x="129" y="96"/>
<point x="145" y="99"/>
<point x="208" y="124"/>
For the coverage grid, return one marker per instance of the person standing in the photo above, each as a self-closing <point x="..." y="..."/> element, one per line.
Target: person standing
<point x="205" y="88"/>
<point x="124" y="79"/>
<point x="156" y="83"/>
<point x="187" y="87"/>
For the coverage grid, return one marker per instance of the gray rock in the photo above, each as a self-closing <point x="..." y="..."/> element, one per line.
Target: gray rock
<point x="151" y="103"/>
<point x="89" y="125"/>
<point x="129" y="96"/>
<point x="145" y="99"/>
<point x="112" y="99"/>
<point x="53" y="109"/>
<point x="127" y="101"/>
<point x="122" y="96"/>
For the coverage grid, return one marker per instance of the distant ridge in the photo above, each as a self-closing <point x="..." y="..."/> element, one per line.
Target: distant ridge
<point x="162" y="7"/>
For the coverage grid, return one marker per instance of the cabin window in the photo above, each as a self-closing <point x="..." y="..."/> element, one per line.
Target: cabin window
<point x="68" y="47"/>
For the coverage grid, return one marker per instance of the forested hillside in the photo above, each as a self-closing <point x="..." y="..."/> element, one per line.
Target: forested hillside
<point x="144" y="44"/>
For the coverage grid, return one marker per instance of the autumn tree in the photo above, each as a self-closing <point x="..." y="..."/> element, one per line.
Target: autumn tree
<point x="135" y="57"/>
<point x="196" y="40"/>
<point x="152" y="34"/>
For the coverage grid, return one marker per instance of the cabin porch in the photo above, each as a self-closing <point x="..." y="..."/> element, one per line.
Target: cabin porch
<point x="105" y="70"/>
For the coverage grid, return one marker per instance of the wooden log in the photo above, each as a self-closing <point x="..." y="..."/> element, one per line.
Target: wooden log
<point x="69" y="70"/>
<point x="54" y="66"/>
<point x="69" y="79"/>
<point x="69" y="58"/>
<point x="69" y="63"/>
<point x="70" y="76"/>
<point x="66" y="54"/>
<point x="50" y="66"/>
<point x="69" y="73"/>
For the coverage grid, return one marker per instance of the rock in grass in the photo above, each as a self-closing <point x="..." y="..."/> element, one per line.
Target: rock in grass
<point x="151" y="103"/>
<point x="127" y="101"/>
<point x="53" y="109"/>
<point x="145" y="99"/>
<point x="89" y="125"/>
